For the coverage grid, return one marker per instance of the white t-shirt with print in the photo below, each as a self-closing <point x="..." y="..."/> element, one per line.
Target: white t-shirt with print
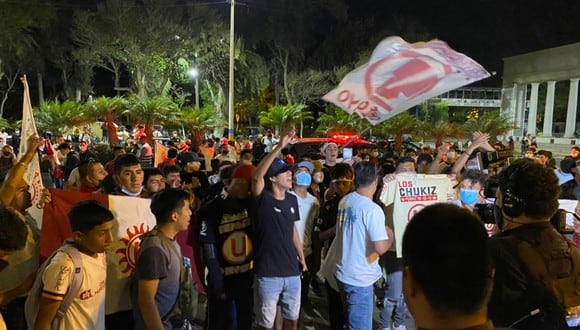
<point x="410" y="193"/>
<point x="87" y="310"/>
<point x="360" y="222"/>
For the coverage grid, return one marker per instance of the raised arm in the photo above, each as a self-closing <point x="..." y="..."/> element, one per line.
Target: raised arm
<point x="16" y="173"/>
<point x="479" y="140"/>
<point x="258" y="176"/>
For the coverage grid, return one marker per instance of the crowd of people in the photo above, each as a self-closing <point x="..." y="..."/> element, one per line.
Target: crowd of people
<point x="271" y="229"/>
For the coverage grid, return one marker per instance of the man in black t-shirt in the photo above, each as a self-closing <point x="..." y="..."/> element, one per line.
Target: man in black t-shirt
<point x="227" y="238"/>
<point x="279" y="257"/>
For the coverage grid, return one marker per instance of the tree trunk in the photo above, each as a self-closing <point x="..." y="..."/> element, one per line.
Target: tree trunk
<point x="285" y="77"/>
<point x="140" y="82"/>
<point x="111" y="129"/>
<point x="149" y="132"/>
<point x="197" y="136"/>
<point x="398" y="143"/>
<point x="40" y="87"/>
<point x="11" y="83"/>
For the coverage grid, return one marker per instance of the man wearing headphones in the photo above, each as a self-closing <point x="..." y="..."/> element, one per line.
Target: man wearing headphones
<point x="537" y="270"/>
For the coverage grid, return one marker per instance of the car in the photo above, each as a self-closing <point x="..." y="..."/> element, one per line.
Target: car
<point x="301" y="147"/>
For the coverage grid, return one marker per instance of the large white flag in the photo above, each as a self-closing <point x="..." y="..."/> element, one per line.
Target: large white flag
<point x="32" y="175"/>
<point x="400" y="75"/>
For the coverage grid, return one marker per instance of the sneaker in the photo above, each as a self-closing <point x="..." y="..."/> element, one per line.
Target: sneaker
<point x="400" y="327"/>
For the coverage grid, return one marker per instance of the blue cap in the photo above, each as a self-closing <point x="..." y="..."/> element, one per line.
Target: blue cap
<point x="278" y="166"/>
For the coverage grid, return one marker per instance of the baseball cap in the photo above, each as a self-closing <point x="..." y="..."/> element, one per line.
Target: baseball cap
<point x="243" y="172"/>
<point x="326" y="145"/>
<point x="306" y="164"/>
<point x="278" y="166"/>
<point x="317" y="164"/>
<point x="188" y="157"/>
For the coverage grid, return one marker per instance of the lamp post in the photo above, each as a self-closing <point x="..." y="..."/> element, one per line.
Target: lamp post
<point x="231" y="78"/>
<point x="194" y="74"/>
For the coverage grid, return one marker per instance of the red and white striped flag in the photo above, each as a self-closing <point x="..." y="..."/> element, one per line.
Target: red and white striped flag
<point x="400" y="75"/>
<point x="32" y="175"/>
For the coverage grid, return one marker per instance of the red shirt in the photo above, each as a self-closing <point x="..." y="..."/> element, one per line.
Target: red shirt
<point x="87" y="189"/>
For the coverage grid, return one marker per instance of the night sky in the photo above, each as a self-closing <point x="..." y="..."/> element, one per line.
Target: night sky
<point x="487" y="30"/>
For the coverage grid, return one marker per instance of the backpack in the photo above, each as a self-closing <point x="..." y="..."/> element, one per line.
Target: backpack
<point x="551" y="263"/>
<point x="32" y="301"/>
<point x="183" y="312"/>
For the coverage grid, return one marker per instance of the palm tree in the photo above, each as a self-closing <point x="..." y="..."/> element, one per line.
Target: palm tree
<point x="494" y="123"/>
<point x="403" y="123"/>
<point x="108" y="109"/>
<point x="200" y="120"/>
<point x="441" y="129"/>
<point x="282" y="116"/>
<point x="151" y="111"/>
<point x="338" y="120"/>
<point x="59" y="117"/>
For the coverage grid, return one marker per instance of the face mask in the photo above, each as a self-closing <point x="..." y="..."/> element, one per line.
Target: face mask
<point x="318" y="177"/>
<point x="303" y="179"/>
<point x="468" y="196"/>
<point x="450" y="155"/>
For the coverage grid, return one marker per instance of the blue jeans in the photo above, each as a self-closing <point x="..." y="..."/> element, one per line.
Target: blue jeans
<point x="394" y="306"/>
<point x="358" y="305"/>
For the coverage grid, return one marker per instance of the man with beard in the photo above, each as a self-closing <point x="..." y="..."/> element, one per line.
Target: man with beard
<point x="226" y="235"/>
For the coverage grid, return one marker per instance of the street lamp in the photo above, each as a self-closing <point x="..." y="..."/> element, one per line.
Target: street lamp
<point x="194" y="74"/>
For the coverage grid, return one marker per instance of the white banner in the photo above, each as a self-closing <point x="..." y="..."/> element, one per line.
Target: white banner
<point x="32" y="175"/>
<point x="400" y="75"/>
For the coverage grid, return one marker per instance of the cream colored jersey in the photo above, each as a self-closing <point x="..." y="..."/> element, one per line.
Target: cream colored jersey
<point x="87" y="310"/>
<point x="410" y="193"/>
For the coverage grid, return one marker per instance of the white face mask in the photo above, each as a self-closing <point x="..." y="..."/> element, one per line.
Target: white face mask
<point x="318" y="177"/>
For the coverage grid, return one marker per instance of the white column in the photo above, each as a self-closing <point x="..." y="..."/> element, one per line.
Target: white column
<point x="572" y="107"/>
<point x="549" y="110"/>
<point x="532" y="116"/>
<point x="520" y="108"/>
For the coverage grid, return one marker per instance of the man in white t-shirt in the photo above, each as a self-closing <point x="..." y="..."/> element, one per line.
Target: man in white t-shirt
<point x="92" y="224"/>
<point x="308" y="207"/>
<point x="361" y="237"/>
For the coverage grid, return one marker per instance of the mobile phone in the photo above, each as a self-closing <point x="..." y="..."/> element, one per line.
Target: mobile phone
<point x="347" y="153"/>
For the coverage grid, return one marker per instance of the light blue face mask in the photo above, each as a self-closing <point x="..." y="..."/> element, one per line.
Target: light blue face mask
<point x="468" y="196"/>
<point x="303" y="179"/>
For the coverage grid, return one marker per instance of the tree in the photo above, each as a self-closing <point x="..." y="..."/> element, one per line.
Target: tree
<point x="152" y="111"/>
<point x="403" y="123"/>
<point x="433" y="110"/>
<point x="441" y="129"/>
<point x="281" y="116"/>
<point x="198" y="121"/>
<point x="492" y="122"/>
<point x="108" y="109"/>
<point x="58" y="117"/>
<point x="19" y="22"/>
<point x="335" y="119"/>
